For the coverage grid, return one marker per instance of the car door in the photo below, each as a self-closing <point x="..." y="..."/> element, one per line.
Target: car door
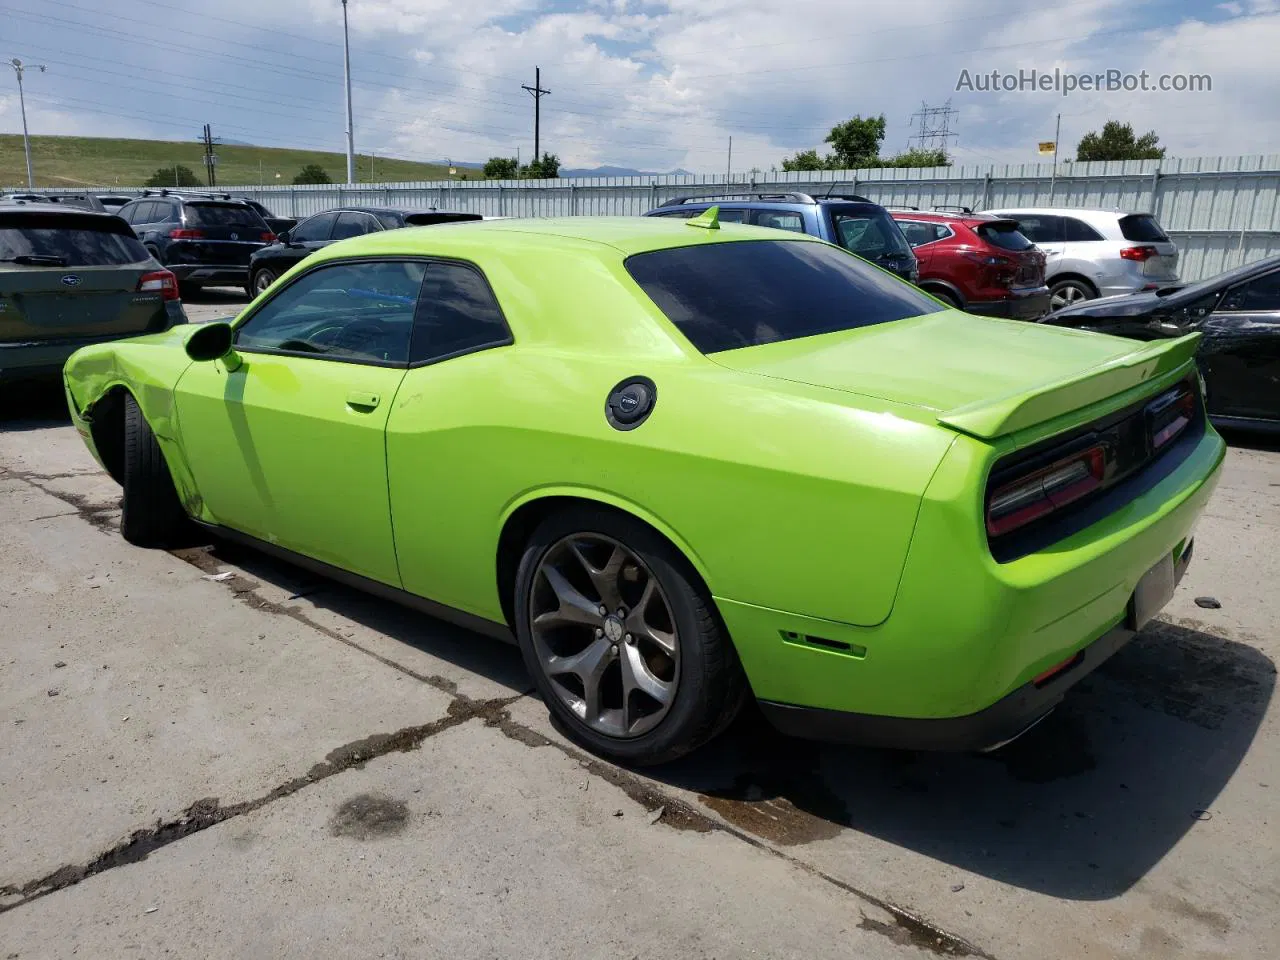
<point x="289" y="447"/>
<point x="436" y="471"/>
<point x="1240" y="352"/>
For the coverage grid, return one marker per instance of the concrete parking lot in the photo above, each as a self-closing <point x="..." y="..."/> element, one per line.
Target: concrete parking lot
<point x="209" y="753"/>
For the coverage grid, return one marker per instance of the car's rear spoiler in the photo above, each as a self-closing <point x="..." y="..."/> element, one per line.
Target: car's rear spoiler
<point x="988" y="419"/>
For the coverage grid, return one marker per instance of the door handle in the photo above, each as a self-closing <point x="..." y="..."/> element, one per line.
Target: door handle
<point x="360" y="400"/>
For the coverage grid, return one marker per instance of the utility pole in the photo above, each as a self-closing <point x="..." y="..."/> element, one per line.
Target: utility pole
<point x="346" y="76"/>
<point x="210" y="158"/>
<point x="728" y="166"/>
<point x="538" y="93"/>
<point x="18" y="67"/>
<point x="1053" y="177"/>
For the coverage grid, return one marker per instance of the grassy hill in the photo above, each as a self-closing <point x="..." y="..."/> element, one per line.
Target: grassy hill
<point x="102" y="162"/>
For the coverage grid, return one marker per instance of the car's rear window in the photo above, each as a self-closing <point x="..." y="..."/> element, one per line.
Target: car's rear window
<point x="739" y="294"/>
<point x="223" y="215"/>
<point x="1142" y="227"/>
<point x="80" y="242"/>
<point x="1005" y="235"/>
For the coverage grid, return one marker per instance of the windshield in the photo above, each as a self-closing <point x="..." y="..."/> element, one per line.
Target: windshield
<point x="78" y="245"/>
<point x="1142" y="227"/>
<point x="1005" y="235"/>
<point x="723" y="296"/>
<point x="870" y="235"/>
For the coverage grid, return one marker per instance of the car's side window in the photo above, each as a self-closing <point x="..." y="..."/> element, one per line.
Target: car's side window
<point x="732" y="216"/>
<point x="142" y="212"/>
<point x="1077" y="231"/>
<point x="126" y="213"/>
<point x="360" y="312"/>
<point x="1040" y="228"/>
<point x="457" y="313"/>
<point x="353" y="225"/>
<point x="679" y="214"/>
<point x="1261" y="295"/>
<point x="919" y="233"/>
<point x="313" y="229"/>
<point x="780" y="220"/>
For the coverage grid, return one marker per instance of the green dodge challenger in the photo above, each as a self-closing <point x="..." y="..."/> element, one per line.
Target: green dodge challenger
<point x="682" y="465"/>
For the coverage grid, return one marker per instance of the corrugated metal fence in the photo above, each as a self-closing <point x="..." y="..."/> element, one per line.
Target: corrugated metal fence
<point x="1221" y="211"/>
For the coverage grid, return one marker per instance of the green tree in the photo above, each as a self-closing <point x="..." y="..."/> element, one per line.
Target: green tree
<point x="1117" y="142"/>
<point x="175" y="176"/>
<point x="313" y="173"/>
<point x="916" y="157"/>
<point x="856" y="142"/>
<point x="804" y="160"/>
<point x="548" y="168"/>
<point x="501" y="168"/>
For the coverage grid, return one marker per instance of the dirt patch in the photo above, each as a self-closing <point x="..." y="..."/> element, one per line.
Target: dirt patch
<point x="922" y="936"/>
<point x="369" y="816"/>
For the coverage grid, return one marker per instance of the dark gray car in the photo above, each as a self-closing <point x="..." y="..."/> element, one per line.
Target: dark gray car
<point x="71" y="277"/>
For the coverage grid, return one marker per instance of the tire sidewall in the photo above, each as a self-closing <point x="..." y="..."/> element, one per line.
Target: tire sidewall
<point x="684" y="592"/>
<point x="254" y="290"/>
<point x="1084" y="288"/>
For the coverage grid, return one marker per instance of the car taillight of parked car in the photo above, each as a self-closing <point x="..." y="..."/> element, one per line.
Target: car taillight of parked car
<point x="268" y="237"/>
<point x="1140" y="254"/>
<point x="159" y="281"/>
<point x="1170" y="414"/>
<point x="1028" y="498"/>
<point x="1001" y="271"/>
<point x="183" y="233"/>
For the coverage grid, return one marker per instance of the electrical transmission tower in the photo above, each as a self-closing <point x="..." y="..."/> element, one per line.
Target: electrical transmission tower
<point x="935" y="127"/>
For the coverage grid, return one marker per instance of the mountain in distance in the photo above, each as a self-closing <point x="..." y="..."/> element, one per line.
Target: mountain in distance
<point x="617" y="172"/>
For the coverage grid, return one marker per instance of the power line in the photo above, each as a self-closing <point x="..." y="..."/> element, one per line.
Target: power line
<point x="935" y="127"/>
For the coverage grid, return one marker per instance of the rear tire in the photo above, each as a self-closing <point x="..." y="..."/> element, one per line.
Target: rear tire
<point x="946" y="298"/>
<point x="152" y="514"/>
<point x="709" y="684"/>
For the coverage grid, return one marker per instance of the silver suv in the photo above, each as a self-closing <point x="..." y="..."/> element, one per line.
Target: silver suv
<point x="1097" y="253"/>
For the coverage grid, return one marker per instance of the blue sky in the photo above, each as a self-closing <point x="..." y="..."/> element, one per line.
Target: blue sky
<point x="654" y="84"/>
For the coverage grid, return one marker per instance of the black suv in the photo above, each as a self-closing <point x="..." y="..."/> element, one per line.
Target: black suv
<point x="203" y="238"/>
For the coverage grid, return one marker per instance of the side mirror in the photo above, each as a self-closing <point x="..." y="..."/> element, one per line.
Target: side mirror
<point x="211" y="342"/>
<point x="283" y="237"/>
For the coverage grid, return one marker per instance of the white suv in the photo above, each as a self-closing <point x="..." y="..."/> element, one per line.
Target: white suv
<point x="1097" y="253"/>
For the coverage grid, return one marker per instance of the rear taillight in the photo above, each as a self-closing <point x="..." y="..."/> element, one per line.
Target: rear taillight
<point x="1169" y="415"/>
<point x="159" y="281"/>
<point x="998" y="271"/>
<point x="1140" y="254"/>
<point x="268" y="237"/>
<point x="1028" y="498"/>
<point x="182" y="233"/>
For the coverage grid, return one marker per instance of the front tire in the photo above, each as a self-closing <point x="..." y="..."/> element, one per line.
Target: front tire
<point x="1067" y="293"/>
<point x="152" y="515"/>
<point x="261" y="280"/>
<point x="622" y="639"/>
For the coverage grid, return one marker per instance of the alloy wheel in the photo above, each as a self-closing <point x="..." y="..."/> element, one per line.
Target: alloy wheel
<point x="1067" y="296"/>
<point x="604" y="635"/>
<point x="262" y="280"/>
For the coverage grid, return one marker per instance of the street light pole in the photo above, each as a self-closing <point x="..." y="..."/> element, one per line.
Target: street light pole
<point x="18" y="67"/>
<point x="346" y="74"/>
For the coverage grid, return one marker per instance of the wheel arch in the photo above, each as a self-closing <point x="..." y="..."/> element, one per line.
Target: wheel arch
<point x="106" y="427"/>
<point x="1072" y="275"/>
<point x="950" y="289"/>
<point x="524" y="514"/>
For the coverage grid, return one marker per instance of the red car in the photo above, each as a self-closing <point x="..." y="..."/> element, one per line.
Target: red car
<point x="977" y="262"/>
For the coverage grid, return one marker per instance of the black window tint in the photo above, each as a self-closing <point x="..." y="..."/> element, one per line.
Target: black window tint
<point x="346" y="311"/>
<point x="1142" y="227"/>
<point x="457" y="313"/>
<point x="81" y="243"/>
<point x="779" y="220"/>
<point x="224" y="215"/>
<point x="679" y="214"/>
<point x="1006" y="236"/>
<point x="1258" y="295"/>
<point x="733" y="216"/>
<point x="313" y="229"/>
<point x="353" y="225"/>
<point x="870" y="235"/>
<point x="1039" y="228"/>
<point x="727" y="295"/>
<point x="1077" y="231"/>
<point x="389" y="221"/>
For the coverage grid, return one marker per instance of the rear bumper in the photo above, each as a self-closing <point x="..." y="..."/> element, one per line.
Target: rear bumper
<point x="41" y="358"/>
<point x="210" y="273"/>
<point x="1030" y="304"/>
<point x="991" y="727"/>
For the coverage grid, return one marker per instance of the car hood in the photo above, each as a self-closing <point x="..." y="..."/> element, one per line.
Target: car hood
<point x="1131" y="305"/>
<point x="991" y="375"/>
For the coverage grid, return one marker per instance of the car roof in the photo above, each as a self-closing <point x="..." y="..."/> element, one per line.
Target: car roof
<point x="627" y="235"/>
<point x="941" y="216"/>
<point x="402" y="211"/>
<point x="60" y="209"/>
<point x="1082" y="214"/>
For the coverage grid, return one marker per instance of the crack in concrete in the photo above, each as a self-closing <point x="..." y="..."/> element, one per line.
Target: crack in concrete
<point x="96" y="515"/>
<point x="209" y="812"/>
<point x="907" y="928"/>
